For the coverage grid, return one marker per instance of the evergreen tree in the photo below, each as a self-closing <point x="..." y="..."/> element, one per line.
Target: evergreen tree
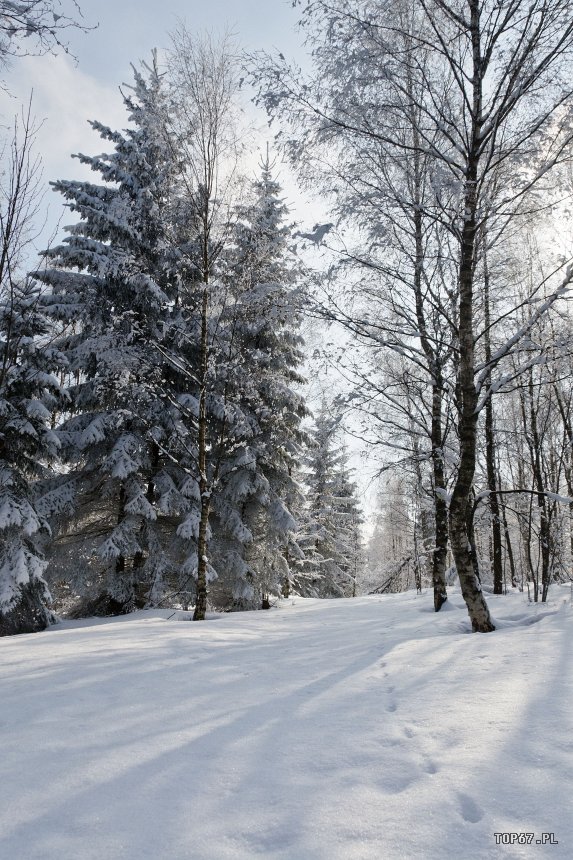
<point x="263" y="316"/>
<point x="114" y="282"/>
<point x="332" y="544"/>
<point x="349" y="520"/>
<point x="29" y="393"/>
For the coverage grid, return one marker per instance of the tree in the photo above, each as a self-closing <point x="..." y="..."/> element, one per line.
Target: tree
<point x="29" y="392"/>
<point x="333" y="545"/>
<point x="113" y="283"/>
<point x="489" y="112"/>
<point x="397" y="270"/>
<point x="35" y="26"/>
<point x="204" y="84"/>
<point x="264" y="313"/>
<point x="177" y="311"/>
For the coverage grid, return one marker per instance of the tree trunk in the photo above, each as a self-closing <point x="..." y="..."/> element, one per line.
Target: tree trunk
<point x="460" y="540"/>
<point x="497" y="557"/>
<point x="440" y="505"/>
<point x="467" y="394"/>
<point x="544" y="523"/>
<point x="508" y="547"/>
<point x="565" y="411"/>
<point x="467" y="425"/>
<point x="201" y="598"/>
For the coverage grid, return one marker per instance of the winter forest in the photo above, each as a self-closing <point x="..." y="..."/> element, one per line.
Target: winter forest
<point x="159" y="444"/>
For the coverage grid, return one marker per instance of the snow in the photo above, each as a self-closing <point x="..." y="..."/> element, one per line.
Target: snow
<point x="358" y="729"/>
<point x="556" y="497"/>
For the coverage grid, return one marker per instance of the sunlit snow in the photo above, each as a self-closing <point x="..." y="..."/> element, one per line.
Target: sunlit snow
<point x="365" y="729"/>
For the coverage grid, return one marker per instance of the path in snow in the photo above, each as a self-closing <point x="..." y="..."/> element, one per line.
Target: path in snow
<point x="365" y="729"/>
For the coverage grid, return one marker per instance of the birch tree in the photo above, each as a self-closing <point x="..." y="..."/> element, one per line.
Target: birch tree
<point x="205" y="82"/>
<point x="491" y="116"/>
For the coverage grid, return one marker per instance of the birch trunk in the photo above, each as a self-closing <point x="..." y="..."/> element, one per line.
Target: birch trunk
<point x="466" y="388"/>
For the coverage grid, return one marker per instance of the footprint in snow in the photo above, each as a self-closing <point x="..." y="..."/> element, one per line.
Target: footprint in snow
<point x="431" y="767"/>
<point x="396" y="783"/>
<point x="470" y="810"/>
<point x="392" y="707"/>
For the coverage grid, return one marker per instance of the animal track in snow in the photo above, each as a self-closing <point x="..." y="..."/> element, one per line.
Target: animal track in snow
<point x="470" y="810"/>
<point x="397" y="783"/>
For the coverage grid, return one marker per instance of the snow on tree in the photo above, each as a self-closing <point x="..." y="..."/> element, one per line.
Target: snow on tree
<point x="204" y="81"/>
<point x="392" y="546"/>
<point x="263" y="315"/>
<point x="350" y="521"/>
<point x="332" y="542"/>
<point x="485" y="91"/>
<point x="29" y="392"/>
<point x="113" y="284"/>
<point x="36" y="26"/>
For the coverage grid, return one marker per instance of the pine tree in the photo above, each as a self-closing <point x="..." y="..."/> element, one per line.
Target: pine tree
<point x="29" y="393"/>
<point x="349" y="521"/>
<point x="114" y="282"/>
<point x="332" y="543"/>
<point x="263" y="317"/>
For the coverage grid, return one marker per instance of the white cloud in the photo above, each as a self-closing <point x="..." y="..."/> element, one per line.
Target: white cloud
<point x="64" y="99"/>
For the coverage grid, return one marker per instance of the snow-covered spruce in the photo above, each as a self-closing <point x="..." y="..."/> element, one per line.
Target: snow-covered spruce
<point x="253" y="525"/>
<point x="113" y="283"/>
<point x="29" y="392"/>
<point x="179" y="330"/>
<point x="331" y="532"/>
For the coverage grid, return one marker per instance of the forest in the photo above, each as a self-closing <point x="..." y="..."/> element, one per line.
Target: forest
<point x="158" y="447"/>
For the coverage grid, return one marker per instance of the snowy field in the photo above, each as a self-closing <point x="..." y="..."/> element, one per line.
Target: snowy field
<point x="366" y="729"/>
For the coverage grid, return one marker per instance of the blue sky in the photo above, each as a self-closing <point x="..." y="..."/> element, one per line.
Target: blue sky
<point x="128" y="31"/>
<point x="67" y="92"/>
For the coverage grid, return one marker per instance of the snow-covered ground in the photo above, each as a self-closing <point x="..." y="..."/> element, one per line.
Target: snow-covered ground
<point x="331" y="730"/>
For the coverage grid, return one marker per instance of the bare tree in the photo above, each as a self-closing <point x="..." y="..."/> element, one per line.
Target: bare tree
<point x="205" y="83"/>
<point x="20" y="205"/>
<point x="491" y="117"/>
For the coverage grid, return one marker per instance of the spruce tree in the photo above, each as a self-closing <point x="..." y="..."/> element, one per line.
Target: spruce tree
<point x="332" y="542"/>
<point x="29" y="393"/>
<point x="266" y="352"/>
<point x="114" y="283"/>
<point x="349" y="520"/>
